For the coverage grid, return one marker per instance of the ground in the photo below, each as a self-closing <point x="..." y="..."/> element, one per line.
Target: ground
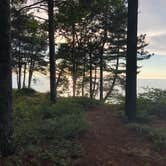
<point x="110" y="143"/>
<point x="50" y="134"/>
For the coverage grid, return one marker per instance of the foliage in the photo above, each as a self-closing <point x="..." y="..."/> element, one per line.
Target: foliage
<point x="157" y="136"/>
<point x="91" y="39"/>
<point x="29" y="45"/>
<point x="150" y="103"/>
<point x="84" y="102"/>
<point x="45" y="131"/>
<point x="25" y="91"/>
<point x="151" y="106"/>
<point x="153" y="102"/>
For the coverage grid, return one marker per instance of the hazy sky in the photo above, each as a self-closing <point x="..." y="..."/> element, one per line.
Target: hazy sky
<point x="152" y="21"/>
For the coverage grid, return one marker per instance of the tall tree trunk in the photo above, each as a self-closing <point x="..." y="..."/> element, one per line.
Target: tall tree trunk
<point x="102" y="64"/>
<point x="101" y="55"/>
<point x="6" y="125"/>
<point x="19" y="66"/>
<point x="74" y="77"/>
<point x="17" y="76"/>
<point x="19" y="73"/>
<point x="115" y="74"/>
<point x="94" y="81"/>
<point x="82" y="87"/>
<point x="60" y="74"/>
<point x="51" y="29"/>
<point x="90" y="79"/>
<point x="101" y="73"/>
<point x="31" y="69"/>
<point x="30" y="78"/>
<point x="131" y="66"/>
<point x="24" y="77"/>
<point x="95" y="94"/>
<point x="74" y="84"/>
<point x="83" y="79"/>
<point x="114" y="80"/>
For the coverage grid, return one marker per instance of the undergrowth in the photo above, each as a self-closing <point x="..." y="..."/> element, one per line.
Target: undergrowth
<point x="47" y="133"/>
<point x="151" y="106"/>
<point x="157" y="136"/>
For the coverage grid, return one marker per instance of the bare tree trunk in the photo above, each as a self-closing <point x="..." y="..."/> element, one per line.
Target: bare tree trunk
<point x="30" y="78"/>
<point x="74" y="84"/>
<point x="114" y="80"/>
<point x="101" y="75"/>
<point x="60" y="75"/>
<point x="94" y="82"/>
<point x="115" y="75"/>
<point x="19" y="73"/>
<point x="17" y="76"/>
<point x="102" y="64"/>
<point x="31" y="69"/>
<point x="74" y="77"/>
<point x="83" y="80"/>
<point x="6" y="124"/>
<point x="53" y="90"/>
<point x="90" y="81"/>
<point x="131" y="67"/>
<point x="24" y="77"/>
<point x="96" y="89"/>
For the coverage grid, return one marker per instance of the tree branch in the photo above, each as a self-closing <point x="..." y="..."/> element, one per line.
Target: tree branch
<point x="32" y="5"/>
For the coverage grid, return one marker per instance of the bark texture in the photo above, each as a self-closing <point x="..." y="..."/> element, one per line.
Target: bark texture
<point x="6" y="125"/>
<point x="131" y="68"/>
<point x="53" y="93"/>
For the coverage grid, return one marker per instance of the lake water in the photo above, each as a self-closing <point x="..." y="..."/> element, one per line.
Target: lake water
<point x="42" y="84"/>
<point x="151" y="83"/>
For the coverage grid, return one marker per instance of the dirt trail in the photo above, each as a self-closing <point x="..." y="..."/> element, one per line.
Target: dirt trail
<point x="110" y="143"/>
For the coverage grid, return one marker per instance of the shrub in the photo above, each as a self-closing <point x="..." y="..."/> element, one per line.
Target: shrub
<point x="157" y="136"/>
<point x="83" y="101"/>
<point x="25" y="91"/>
<point x="153" y="102"/>
<point x="47" y="131"/>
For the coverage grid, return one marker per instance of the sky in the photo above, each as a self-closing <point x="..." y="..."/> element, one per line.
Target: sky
<point x="152" y="21"/>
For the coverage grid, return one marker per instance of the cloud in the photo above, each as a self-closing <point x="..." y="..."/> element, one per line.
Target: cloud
<point x="152" y="22"/>
<point x="157" y="43"/>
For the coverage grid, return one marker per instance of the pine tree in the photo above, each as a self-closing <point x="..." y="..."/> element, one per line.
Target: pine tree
<point x="131" y="66"/>
<point x="6" y="125"/>
<point x="51" y="31"/>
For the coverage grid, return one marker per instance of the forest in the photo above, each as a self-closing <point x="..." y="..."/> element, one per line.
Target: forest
<point x="92" y="114"/>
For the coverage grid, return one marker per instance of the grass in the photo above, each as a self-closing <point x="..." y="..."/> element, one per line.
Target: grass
<point x="151" y="106"/>
<point x="157" y="136"/>
<point x="45" y="132"/>
<point x="153" y="102"/>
